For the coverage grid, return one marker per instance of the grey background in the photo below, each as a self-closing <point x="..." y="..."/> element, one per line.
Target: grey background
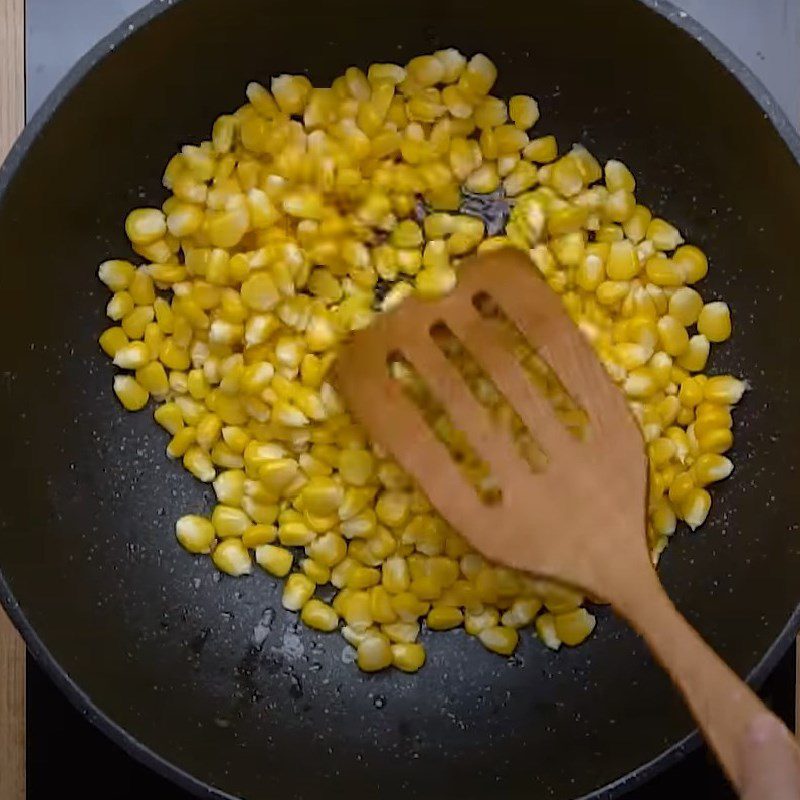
<point x="765" y="34"/>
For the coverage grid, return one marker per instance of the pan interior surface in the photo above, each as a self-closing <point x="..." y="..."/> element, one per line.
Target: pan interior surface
<point x="209" y="673"/>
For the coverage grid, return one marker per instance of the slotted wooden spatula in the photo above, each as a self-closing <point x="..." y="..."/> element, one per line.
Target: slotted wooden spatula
<point x="582" y="519"/>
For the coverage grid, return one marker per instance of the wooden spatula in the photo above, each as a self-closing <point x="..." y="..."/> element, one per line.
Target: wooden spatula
<point x="582" y="519"/>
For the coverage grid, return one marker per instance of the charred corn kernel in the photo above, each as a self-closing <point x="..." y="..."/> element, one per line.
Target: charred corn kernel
<point x="374" y="653"/>
<point x="231" y="556"/>
<point x="319" y="616"/>
<point x="546" y="631"/>
<point x="195" y="533"/>
<point x="695" y="356"/>
<point x="499" y="639"/>
<point x="443" y="618"/>
<point x="408" y="657"/>
<point x="695" y="507"/>
<point x="131" y="394"/>
<point x="297" y="591"/>
<point x="574" y="627"/>
<point x="685" y="305"/>
<point x="229" y="521"/>
<point x="692" y="262"/>
<point x="714" y="322"/>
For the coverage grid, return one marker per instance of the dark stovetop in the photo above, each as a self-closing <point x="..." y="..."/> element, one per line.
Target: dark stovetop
<point x="66" y="754"/>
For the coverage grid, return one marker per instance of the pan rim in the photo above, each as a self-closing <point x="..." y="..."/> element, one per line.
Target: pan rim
<point x="80" y="700"/>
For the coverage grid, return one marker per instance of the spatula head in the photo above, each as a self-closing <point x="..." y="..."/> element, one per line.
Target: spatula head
<point x="581" y="519"/>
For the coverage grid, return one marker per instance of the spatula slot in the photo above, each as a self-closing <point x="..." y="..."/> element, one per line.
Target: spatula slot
<point x="542" y="377"/>
<point x="477" y="471"/>
<point x="487" y="393"/>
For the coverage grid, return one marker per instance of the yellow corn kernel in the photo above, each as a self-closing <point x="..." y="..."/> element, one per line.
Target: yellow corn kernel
<point x="475" y="622"/>
<point x="145" y="225"/>
<point x="198" y="462"/>
<point x="393" y="508"/>
<point x="116" y="274"/>
<point x="259" y="535"/>
<point x="680" y="488"/>
<point x="621" y="264"/>
<point x="715" y="440"/>
<point x="119" y="306"/>
<point x="484" y="179"/>
<point x="618" y="176"/>
<point x="663" y="271"/>
<point x="374" y="653"/>
<point x="524" y="111"/>
<point x="297" y="591"/>
<point x="443" y="618"/>
<point x="685" y="305"/>
<point x="574" y="627"/>
<point x="180" y="442"/>
<point x="169" y="417"/>
<point x="490" y="112"/>
<point x="135" y="323"/>
<point x="195" y="533"/>
<point x="522" y="612"/>
<point x="724" y="389"/>
<point x="692" y="262"/>
<point x="132" y="356"/>
<point x="663" y="235"/>
<point x="131" y="394"/>
<point x="231" y="556"/>
<point x="714" y="322"/>
<point x="112" y="340"/>
<point x="694" y="358"/>
<point x="499" y="639"/>
<point x="409" y="607"/>
<point x="229" y="521"/>
<point x="542" y="150"/>
<point x="672" y="335"/>
<point x="356" y="467"/>
<point x="408" y="656"/>
<point x="319" y="616"/>
<point x="710" y="468"/>
<point x="695" y="507"/>
<point x="401" y="632"/>
<point x="275" y="560"/>
<point x="380" y="605"/>
<point x="395" y="575"/>
<point x="153" y="378"/>
<point x="295" y="534"/>
<point x="546" y="631"/>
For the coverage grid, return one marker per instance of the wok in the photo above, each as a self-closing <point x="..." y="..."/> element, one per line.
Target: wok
<point x="207" y="679"/>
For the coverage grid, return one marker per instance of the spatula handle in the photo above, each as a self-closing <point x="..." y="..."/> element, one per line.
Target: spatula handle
<point x="724" y="706"/>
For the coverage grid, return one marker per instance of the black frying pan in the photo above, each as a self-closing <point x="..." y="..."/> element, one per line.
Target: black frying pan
<point x="150" y="643"/>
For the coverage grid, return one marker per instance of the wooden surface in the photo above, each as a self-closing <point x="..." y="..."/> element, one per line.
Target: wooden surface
<point x="12" y="650"/>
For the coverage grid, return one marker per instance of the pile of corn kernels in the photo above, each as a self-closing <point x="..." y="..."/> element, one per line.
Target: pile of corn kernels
<point x="312" y="209"/>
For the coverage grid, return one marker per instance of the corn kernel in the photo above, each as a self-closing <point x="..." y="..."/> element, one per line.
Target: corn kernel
<point x="319" y="616"/>
<point x="131" y="394"/>
<point x="714" y="322"/>
<point x="574" y="627"/>
<point x="408" y="657"/>
<point x="374" y="653"/>
<point x="195" y="533"/>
